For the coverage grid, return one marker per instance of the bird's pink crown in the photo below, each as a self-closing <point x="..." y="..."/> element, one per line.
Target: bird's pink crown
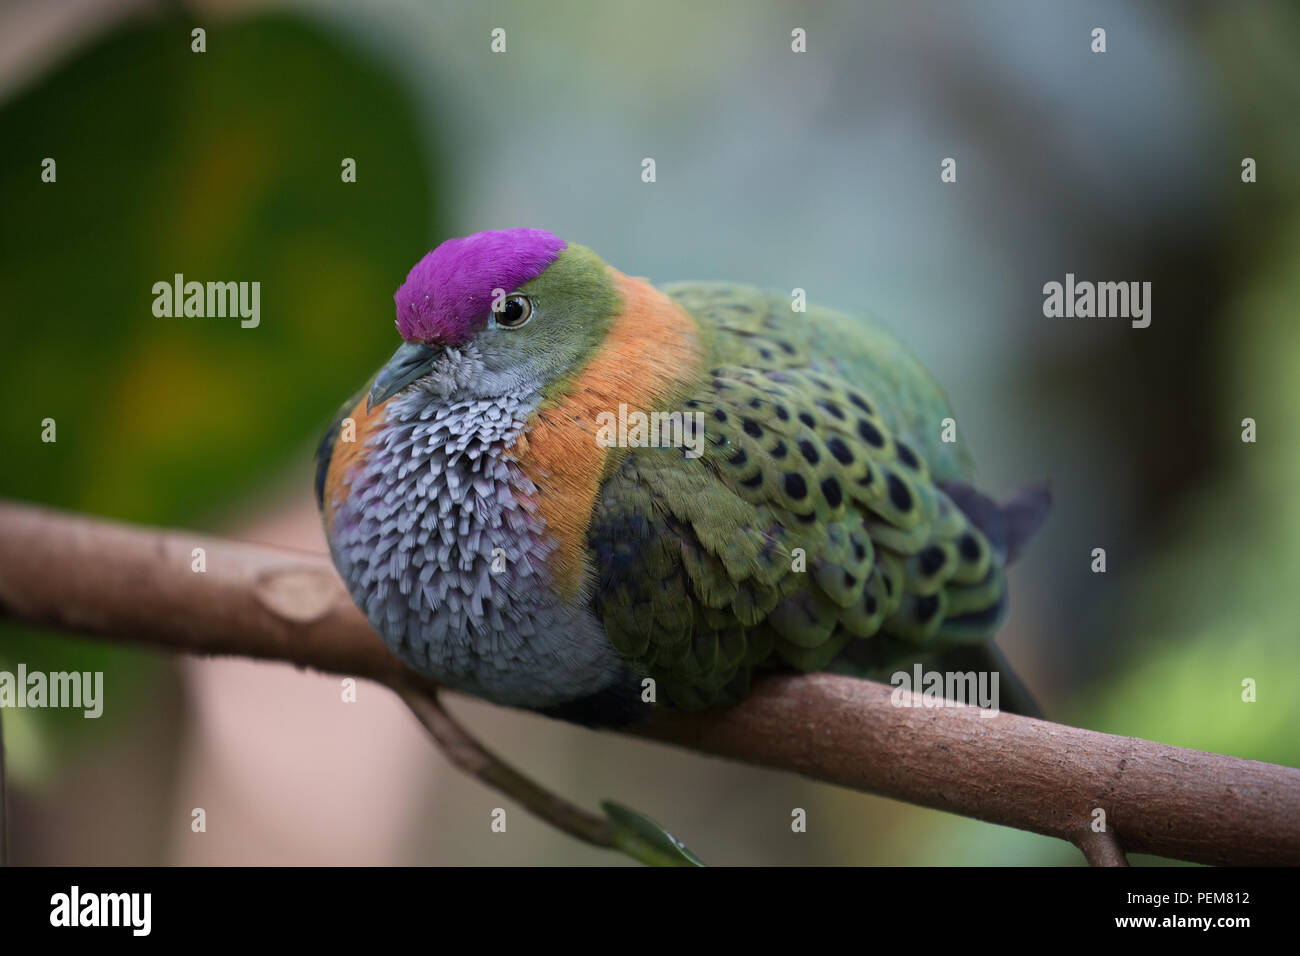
<point x="447" y="295"/>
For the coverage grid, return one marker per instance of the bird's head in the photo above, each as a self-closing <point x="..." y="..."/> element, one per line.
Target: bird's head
<point x="496" y="313"/>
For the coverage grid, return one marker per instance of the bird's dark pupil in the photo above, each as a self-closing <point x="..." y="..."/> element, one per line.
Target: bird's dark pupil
<point x="513" y="312"/>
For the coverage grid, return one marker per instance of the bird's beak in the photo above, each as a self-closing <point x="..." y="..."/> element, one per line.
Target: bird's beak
<point x="407" y="364"/>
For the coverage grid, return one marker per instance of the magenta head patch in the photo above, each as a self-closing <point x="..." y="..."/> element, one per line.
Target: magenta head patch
<point x="448" y="295"/>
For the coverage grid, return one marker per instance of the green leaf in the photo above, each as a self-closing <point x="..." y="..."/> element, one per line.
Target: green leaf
<point x="642" y="839"/>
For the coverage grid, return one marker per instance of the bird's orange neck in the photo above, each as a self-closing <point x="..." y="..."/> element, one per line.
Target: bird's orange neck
<point x="351" y="446"/>
<point x="651" y="352"/>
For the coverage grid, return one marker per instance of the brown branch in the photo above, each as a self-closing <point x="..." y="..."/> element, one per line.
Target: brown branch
<point x="1101" y="848"/>
<point x="94" y="577"/>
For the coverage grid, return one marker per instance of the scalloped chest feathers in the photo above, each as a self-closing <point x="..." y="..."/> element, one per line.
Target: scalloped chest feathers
<point x="440" y="542"/>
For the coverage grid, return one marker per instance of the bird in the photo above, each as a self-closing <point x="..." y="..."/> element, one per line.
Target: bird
<point x="498" y="508"/>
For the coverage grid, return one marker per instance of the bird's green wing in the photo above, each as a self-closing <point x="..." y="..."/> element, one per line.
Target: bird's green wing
<point x="811" y="531"/>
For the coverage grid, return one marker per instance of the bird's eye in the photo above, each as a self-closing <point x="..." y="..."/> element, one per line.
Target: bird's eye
<point x="515" y="311"/>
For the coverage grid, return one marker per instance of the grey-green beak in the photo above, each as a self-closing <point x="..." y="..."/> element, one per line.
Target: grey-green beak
<point x="407" y="364"/>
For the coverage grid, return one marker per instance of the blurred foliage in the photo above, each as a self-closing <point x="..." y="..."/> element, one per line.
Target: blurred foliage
<point x="223" y="166"/>
<point x="1216" y="603"/>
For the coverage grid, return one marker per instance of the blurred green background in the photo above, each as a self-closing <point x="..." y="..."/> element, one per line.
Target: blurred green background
<point x="818" y="170"/>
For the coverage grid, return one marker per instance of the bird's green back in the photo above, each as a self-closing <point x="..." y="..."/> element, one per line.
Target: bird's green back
<point x="813" y="531"/>
<point x="855" y="349"/>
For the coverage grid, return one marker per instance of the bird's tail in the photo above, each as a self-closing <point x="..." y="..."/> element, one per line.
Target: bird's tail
<point x="1010" y="524"/>
<point x="1007" y="526"/>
